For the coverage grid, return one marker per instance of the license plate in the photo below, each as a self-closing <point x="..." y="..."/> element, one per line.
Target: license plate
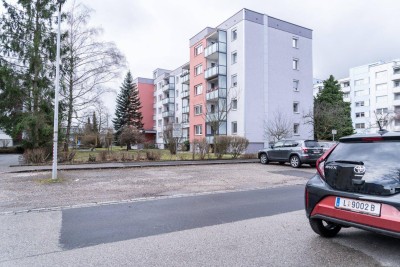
<point x="359" y="206"/>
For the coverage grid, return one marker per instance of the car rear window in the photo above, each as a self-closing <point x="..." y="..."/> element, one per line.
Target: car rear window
<point x="311" y="143"/>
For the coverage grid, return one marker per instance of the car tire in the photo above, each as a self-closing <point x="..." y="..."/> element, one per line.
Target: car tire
<point x="295" y="161"/>
<point x="264" y="159"/>
<point x="281" y="162"/>
<point x="324" y="228"/>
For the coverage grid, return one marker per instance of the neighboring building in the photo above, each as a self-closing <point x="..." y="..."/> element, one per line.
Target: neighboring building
<point x="374" y="93"/>
<point x="249" y="67"/>
<point x="5" y="140"/>
<point x="146" y="88"/>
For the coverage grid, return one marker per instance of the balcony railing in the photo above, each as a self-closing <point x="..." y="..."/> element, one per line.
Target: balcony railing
<point x="167" y="87"/>
<point x="185" y="94"/>
<point x="185" y="109"/>
<point x="168" y="100"/>
<point x="214" y="48"/>
<point x="215" y="94"/>
<point x="185" y="78"/>
<point x="169" y="113"/>
<point x="186" y="124"/>
<point x="214" y="71"/>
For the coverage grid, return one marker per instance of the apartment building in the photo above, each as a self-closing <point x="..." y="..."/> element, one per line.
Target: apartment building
<point x="240" y="75"/>
<point x="145" y="88"/>
<point x="374" y="93"/>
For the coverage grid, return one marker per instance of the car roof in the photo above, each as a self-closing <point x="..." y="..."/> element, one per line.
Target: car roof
<point x="371" y="137"/>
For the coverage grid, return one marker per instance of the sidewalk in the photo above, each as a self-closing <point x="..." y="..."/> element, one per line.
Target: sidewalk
<point x="122" y="165"/>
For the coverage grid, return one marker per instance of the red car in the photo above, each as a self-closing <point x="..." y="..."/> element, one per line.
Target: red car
<point x="357" y="184"/>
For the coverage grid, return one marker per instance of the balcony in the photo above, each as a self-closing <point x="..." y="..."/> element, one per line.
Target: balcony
<point x="185" y="78"/>
<point x="214" y="71"/>
<point x="185" y="94"/>
<point x="396" y="76"/>
<point x="212" y="50"/>
<point x="185" y="109"/>
<point x="215" y="94"/>
<point x="346" y="89"/>
<point x="168" y="100"/>
<point x="185" y="124"/>
<point x="169" y="113"/>
<point x="167" y="87"/>
<point x="154" y="117"/>
<point x="396" y="102"/>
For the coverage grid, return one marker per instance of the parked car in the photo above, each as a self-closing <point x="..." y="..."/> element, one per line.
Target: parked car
<point x="357" y="184"/>
<point x="326" y="145"/>
<point x="296" y="152"/>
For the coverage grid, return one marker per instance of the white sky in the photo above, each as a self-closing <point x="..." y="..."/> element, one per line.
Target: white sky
<point x="155" y="34"/>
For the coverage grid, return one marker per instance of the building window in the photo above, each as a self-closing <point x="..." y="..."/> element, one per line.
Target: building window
<point x="177" y="93"/>
<point x="177" y="79"/>
<point x="296" y="85"/>
<point x="360" y="125"/>
<point x="234" y="80"/>
<point x="381" y="111"/>
<point x="295" y="64"/>
<point x="159" y="110"/>
<point x="160" y="97"/>
<point x="176" y="120"/>
<point x="295" y="42"/>
<point x="198" y="70"/>
<point x="212" y="109"/>
<point x="296" y="107"/>
<point x="360" y="114"/>
<point x="159" y="123"/>
<point x="160" y="135"/>
<point x="396" y="83"/>
<point x="345" y="84"/>
<point x="234" y="127"/>
<point x="381" y="74"/>
<point x="177" y="106"/>
<point x="234" y="57"/>
<point x="359" y="82"/>
<point x="396" y="71"/>
<point x="360" y="93"/>
<point x="381" y="87"/>
<point x="198" y="129"/>
<point x="397" y="96"/>
<point x="381" y="99"/>
<point x="198" y="110"/>
<point x="346" y="95"/>
<point x="360" y="104"/>
<point x="234" y="104"/>
<point x="234" y="34"/>
<point x="296" y="129"/>
<point x="198" y="50"/>
<point x="198" y="89"/>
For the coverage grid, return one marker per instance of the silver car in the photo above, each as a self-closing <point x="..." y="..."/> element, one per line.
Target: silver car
<point x="296" y="152"/>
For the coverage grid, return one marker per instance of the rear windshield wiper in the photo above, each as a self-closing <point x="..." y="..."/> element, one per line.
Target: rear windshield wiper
<point x="349" y="162"/>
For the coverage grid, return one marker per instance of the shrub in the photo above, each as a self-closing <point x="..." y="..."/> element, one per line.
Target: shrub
<point x="92" y="158"/>
<point x="149" y="145"/>
<point x="66" y="156"/>
<point x="153" y="155"/>
<point x="221" y="145"/>
<point x="126" y="156"/>
<point x="201" y="147"/>
<point x="238" y="145"/>
<point x="36" y="155"/>
<point x="248" y="156"/>
<point x="103" y="156"/>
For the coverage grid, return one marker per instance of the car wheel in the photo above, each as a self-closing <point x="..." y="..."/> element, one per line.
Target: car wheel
<point x="281" y="162"/>
<point x="264" y="158"/>
<point x="295" y="161"/>
<point x="324" y="228"/>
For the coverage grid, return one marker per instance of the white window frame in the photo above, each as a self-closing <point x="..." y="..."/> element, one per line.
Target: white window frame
<point x="234" y="104"/>
<point x="360" y="125"/>
<point x="295" y="64"/>
<point x="198" y="110"/>
<point x="359" y="104"/>
<point x="295" y="42"/>
<point x="234" y="57"/>
<point x="198" y="49"/>
<point x="296" y="127"/>
<point x="296" y="106"/>
<point x="296" y="85"/>
<point x="234" y="128"/>
<point x="198" y="129"/>
<point x="234" y="80"/>
<point x="360" y="114"/>
<point x="198" y="69"/>
<point x="198" y="89"/>
<point x="234" y="34"/>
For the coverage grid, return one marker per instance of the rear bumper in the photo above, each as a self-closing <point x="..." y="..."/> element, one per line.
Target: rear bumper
<point x="320" y="204"/>
<point x="388" y="222"/>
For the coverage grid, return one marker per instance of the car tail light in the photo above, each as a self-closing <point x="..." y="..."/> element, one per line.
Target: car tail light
<point x="321" y="162"/>
<point x="305" y="150"/>
<point x="372" y="139"/>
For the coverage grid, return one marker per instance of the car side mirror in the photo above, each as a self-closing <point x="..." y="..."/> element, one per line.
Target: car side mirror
<point x="271" y="146"/>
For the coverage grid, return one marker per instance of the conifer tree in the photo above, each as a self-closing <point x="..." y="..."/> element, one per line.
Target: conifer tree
<point x="121" y="118"/>
<point x="331" y="112"/>
<point x="133" y="115"/>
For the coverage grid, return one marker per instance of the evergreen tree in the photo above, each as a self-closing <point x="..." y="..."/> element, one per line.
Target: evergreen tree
<point x="27" y="47"/>
<point x="95" y="125"/>
<point x="331" y="112"/>
<point x="133" y="115"/>
<point x="121" y="118"/>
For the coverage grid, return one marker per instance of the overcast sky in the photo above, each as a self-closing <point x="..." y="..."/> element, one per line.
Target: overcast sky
<point x="155" y="34"/>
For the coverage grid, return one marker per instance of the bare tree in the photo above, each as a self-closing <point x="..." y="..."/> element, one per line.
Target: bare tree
<point x="130" y="135"/>
<point x="279" y="127"/>
<point x="87" y="64"/>
<point x="171" y="141"/>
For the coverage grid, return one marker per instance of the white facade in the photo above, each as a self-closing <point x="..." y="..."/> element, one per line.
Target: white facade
<point x="5" y="140"/>
<point x="374" y="93"/>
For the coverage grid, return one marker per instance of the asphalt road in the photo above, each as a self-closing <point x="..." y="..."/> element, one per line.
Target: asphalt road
<point x="247" y="228"/>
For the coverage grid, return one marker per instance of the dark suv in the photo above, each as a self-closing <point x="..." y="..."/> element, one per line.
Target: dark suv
<point x="296" y="152"/>
<point x="357" y="185"/>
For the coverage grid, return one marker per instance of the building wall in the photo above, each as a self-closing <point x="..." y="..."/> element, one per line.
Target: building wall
<point x="146" y="89"/>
